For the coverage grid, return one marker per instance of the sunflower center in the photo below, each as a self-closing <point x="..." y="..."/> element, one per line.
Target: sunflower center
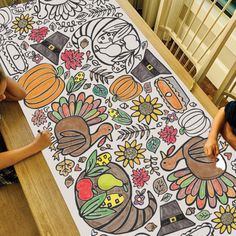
<point x="146" y="108"/>
<point x="131" y="153"/>
<point x="23" y="23"/>
<point x="227" y="219"/>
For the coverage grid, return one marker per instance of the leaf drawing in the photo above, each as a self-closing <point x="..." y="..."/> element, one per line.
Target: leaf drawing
<point x="101" y="11"/>
<point x="134" y="132"/>
<point x="166" y="197"/>
<point x="203" y="215"/>
<point x="100" y="75"/>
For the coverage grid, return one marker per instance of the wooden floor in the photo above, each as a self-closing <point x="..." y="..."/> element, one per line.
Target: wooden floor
<point x="15" y="216"/>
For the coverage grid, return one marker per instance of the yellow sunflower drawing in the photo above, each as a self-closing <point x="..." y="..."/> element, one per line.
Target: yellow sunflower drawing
<point x="226" y="219"/>
<point x="130" y="153"/>
<point x="146" y="109"/>
<point x="23" y="24"/>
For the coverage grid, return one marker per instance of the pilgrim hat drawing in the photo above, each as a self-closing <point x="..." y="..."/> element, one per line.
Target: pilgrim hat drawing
<point x="172" y="219"/>
<point x="52" y="46"/>
<point x="149" y="68"/>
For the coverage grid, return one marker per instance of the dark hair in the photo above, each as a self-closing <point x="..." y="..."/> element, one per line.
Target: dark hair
<point x="230" y="115"/>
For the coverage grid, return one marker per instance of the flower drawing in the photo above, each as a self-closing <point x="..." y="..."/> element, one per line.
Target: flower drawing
<point x="72" y="59"/>
<point x="168" y="134"/>
<point x="140" y="177"/>
<point x="38" y="35"/>
<point x="139" y="200"/>
<point x="226" y="219"/>
<point x="37" y="58"/>
<point x="23" y="24"/>
<point x="130" y="153"/>
<point x="39" y="118"/>
<point x="146" y="109"/>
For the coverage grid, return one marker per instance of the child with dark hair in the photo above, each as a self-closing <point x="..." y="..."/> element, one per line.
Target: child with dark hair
<point x="224" y="123"/>
<point x="11" y="91"/>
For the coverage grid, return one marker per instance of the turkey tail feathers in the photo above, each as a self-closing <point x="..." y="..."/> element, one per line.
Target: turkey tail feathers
<point x="86" y="108"/>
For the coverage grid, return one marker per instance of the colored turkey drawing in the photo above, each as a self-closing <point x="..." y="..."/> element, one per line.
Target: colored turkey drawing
<point x="127" y="135"/>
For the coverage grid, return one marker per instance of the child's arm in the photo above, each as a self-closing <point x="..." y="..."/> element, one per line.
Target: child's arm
<point x="10" y="158"/>
<point x="211" y="147"/>
<point x="14" y="91"/>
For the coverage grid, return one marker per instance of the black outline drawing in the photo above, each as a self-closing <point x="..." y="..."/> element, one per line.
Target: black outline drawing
<point x="108" y="36"/>
<point x="125" y="217"/>
<point x="192" y="127"/>
<point x="13" y="58"/>
<point x="170" y="88"/>
<point x="149" y="68"/>
<point x="172" y="219"/>
<point x="53" y="10"/>
<point x="198" y="228"/>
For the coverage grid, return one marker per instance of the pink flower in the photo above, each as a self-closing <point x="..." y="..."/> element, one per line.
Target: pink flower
<point x="172" y="117"/>
<point x="72" y="58"/>
<point x="39" y="118"/>
<point x="140" y="177"/>
<point x="168" y="134"/>
<point x="37" y="58"/>
<point x="38" y="34"/>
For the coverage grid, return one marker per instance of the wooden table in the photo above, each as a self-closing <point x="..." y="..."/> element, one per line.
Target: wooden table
<point x="47" y="205"/>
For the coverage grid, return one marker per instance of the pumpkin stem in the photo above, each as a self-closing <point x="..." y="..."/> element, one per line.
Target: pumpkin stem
<point x="114" y="98"/>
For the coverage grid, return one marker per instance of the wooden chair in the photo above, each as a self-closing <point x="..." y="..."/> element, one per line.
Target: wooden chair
<point x="194" y="36"/>
<point x="226" y="89"/>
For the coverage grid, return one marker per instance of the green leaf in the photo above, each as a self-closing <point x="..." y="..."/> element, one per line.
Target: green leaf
<point x="98" y="170"/>
<point x="203" y="215"/>
<point x="167" y="197"/>
<point x="123" y="118"/>
<point x="78" y="85"/>
<point x="60" y="71"/>
<point x="182" y="131"/>
<point x="153" y="144"/>
<point x="91" y="162"/>
<point x="70" y="84"/>
<point x="92" y="204"/>
<point x="100" y="213"/>
<point x="100" y="90"/>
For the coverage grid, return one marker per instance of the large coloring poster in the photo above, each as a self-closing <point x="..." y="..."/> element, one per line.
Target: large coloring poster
<point x="127" y="135"/>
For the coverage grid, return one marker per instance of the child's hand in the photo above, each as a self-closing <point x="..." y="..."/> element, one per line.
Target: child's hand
<point x="42" y="140"/>
<point x="211" y="148"/>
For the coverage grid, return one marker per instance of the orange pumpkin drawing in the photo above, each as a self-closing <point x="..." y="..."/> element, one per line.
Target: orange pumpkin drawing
<point x="42" y="85"/>
<point x="125" y="88"/>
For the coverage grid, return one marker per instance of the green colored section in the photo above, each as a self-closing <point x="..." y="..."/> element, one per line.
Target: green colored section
<point x="5" y="3"/>
<point x="230" y="9"/>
